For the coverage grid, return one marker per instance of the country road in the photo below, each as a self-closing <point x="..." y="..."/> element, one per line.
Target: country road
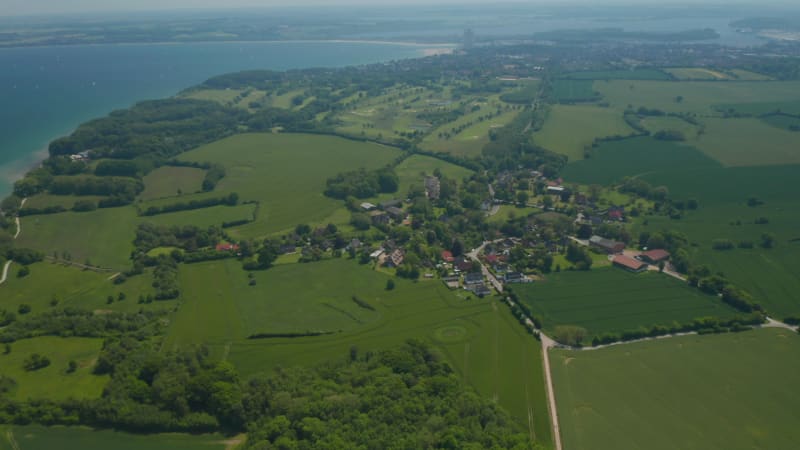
<point x="16" y="235"/>
<point x="547" y="344"/>
<point x="5" y="272"/>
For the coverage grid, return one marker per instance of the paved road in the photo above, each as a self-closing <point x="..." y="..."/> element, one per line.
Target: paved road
<point x="473" y="255"/>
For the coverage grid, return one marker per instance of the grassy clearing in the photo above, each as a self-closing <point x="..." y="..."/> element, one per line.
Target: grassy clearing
<point x="635" y="74"/>
<point x="731" y="392"/>
<point x="697" y="73"/>
<point x="508" y="211"/>
<point x="171" y="181"/>
<point x="205" y="217"/>
<point x="412" y="171"/>
<point x="748" y="142"/>
<point x="224" y="96"/>
<point x="34" y="437"/>
<point x="219" y="307"/>
<point x="611" y="161"/>
<point x="287" y="173"/>
<point x="103" y="237"/>
<point x="573" y="90"/>
<point x="700" y="97"/>
<point x="285" y="100"/>
<point x="569" y="129"/>
<point x="613" y="300"/>
<point x="53" y="382"/>
<point x="73" y="287"/>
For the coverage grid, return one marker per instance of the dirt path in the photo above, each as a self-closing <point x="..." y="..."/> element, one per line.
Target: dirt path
<point x="547" y="344"/>
<point x="772" y="323"/>
<point x="5" y="272"/>
<point x="17" y="221"/>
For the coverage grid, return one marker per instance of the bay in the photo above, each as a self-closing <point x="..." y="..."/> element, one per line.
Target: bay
<point x="45" y="92"/>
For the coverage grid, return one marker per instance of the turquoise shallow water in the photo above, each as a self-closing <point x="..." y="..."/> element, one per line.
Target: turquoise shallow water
<point x="45" y="92"/>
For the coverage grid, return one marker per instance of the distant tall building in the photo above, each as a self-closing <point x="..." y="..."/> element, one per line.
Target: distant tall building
<point x="469" y="38"/>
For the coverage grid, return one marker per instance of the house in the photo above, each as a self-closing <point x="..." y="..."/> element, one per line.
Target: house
<point x="462" y="264"/>
<point x="491" y="258"/>
<point x="473" y="278"/>
<point x="225" y="247"/>
<point x="390" y="203"/>
<point x="616" y="213"/>
<point x="379" y="218"/>
<point x="514" y="277"/>
<point x="580" y="199"/>
<point x="432" y="187"/>
<point x="366" y="206"/>
<point x="396" y="258"/>
<point x="629" y="264"/>
<point x="452" y="282"/>
<point x="555" y="189"/>
<point x="376" y="254"/>
<point x="287" y="249"/>
<point x="481" y="290"/>
<point x="326" y="245"/>
<point x="355" y="244"/>
<point x="606" y="245"/>
<point x="654" y="256"/>
<point x="396" y="213"/>
<point x="447" y="256"/>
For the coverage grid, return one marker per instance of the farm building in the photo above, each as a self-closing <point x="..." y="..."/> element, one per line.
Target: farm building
<point x="654" y="256"/>
<point x="555" y="189"/>
<point x="366" y="206"/>
<point x="396" y="213"/>
<point x="606" y="245"/>
<point x="629" y="264"/>
<point x="396" y="258"/>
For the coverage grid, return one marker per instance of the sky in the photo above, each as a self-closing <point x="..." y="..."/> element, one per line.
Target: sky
<point x="25" y="7"/>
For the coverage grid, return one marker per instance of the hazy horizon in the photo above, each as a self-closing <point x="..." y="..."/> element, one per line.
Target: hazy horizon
<point x="57" y="7"/>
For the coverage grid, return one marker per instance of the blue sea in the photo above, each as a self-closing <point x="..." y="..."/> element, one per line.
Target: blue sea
<point x="45" y="92"/>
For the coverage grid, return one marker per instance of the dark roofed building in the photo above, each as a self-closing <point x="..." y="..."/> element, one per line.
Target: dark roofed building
<point x="462" y="264"/>
<point x="481" y="290"/>
<point x="606" y="245"/>
<point x="514" y="277"/>
<point x="654" y="256"/>
<point x="473" y="278"/>
<point x="390" y="203"/>
<point x="629" y="264"/>
<point x="396" y="213"/>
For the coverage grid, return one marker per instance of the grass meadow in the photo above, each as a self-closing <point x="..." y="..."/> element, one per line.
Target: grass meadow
<point x="205" y="217"/>
<point x="611" y="161"/>
<point x="635" y="74"/>
<point x="170" y="181"/>
<point x="479" y="337"/>
<point x="53" y="382"/>
<point x="569" y="129"/>
<point x="566" y="91"/>
<point x="718" y="392"/>
<point x="73" y="287"/>
<point x="34" y="437"/>
<point x="287" y="173"/>
<point x="748" y="142"/>
<point x="697" y="73"/>
<point x="613" y="300"/>
<point x="413" y="169"/>
<point x="103" y="237"/>
<point x="700" y="97"/>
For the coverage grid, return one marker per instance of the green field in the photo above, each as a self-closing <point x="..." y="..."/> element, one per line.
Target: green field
<point x="573" y="91"/>
<point x="169" y="181"/>
<point x="204" y="217"/>
<point x="635" y="74"/>
<point x="73" y="287"/>
<point x="34" y="437"/>
<point x="783" y="122"/>
<point x="748" y="142"/>
<point x="613" y="300"/>
<point x="700" y="97"/>
<point x="508" y="211"/>
<point x="654" y="124"/>
<point x="720" y="392"/>
<point x="746" y="75"/>
<point x="53" y="382"/>
<point x="220" y="308"/>
<point x="569" y="129"/>
<point x="103" y="237"/>
<point x="611" y="161"/>
<point x="287" y="173"/>
<point x="761" y="108"/>
<point x="224" y="96"/>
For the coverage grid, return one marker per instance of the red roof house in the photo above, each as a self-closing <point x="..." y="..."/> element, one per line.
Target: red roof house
<point x="227" y="247"/>
<point x="655" y="256"/>
<point x="447" y="256"/>
<point x="630" y="264"/>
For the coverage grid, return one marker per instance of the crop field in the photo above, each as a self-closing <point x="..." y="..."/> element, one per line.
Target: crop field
<point x="697" y="73"/>
<point x="719" y="392"/>
<point x="103" y="237"/>
<point x="654" y="124"/>
<point x="34" y="437"/>
<point x="53" y="382"/>
<point x="205" y="217"/>
<point x="172" y="181"/>
<point x="573" y="90"/>
<point x="569" y="129"/>
<point x="700" y="97"/>
<point x="613" y="300"/>
<point x="73" y="287"/>
<point x="636" y="74"/>
<point x="761" y="108"/>
<point x="219" y="307"/>
<point x="746" y="75"/>
<point x="287" y="173"/>
<point x="611" y="161"/>
<point x="748" y="142"/>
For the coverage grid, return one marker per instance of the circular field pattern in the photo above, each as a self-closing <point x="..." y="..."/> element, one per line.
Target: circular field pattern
<point x="450" y="334"/>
